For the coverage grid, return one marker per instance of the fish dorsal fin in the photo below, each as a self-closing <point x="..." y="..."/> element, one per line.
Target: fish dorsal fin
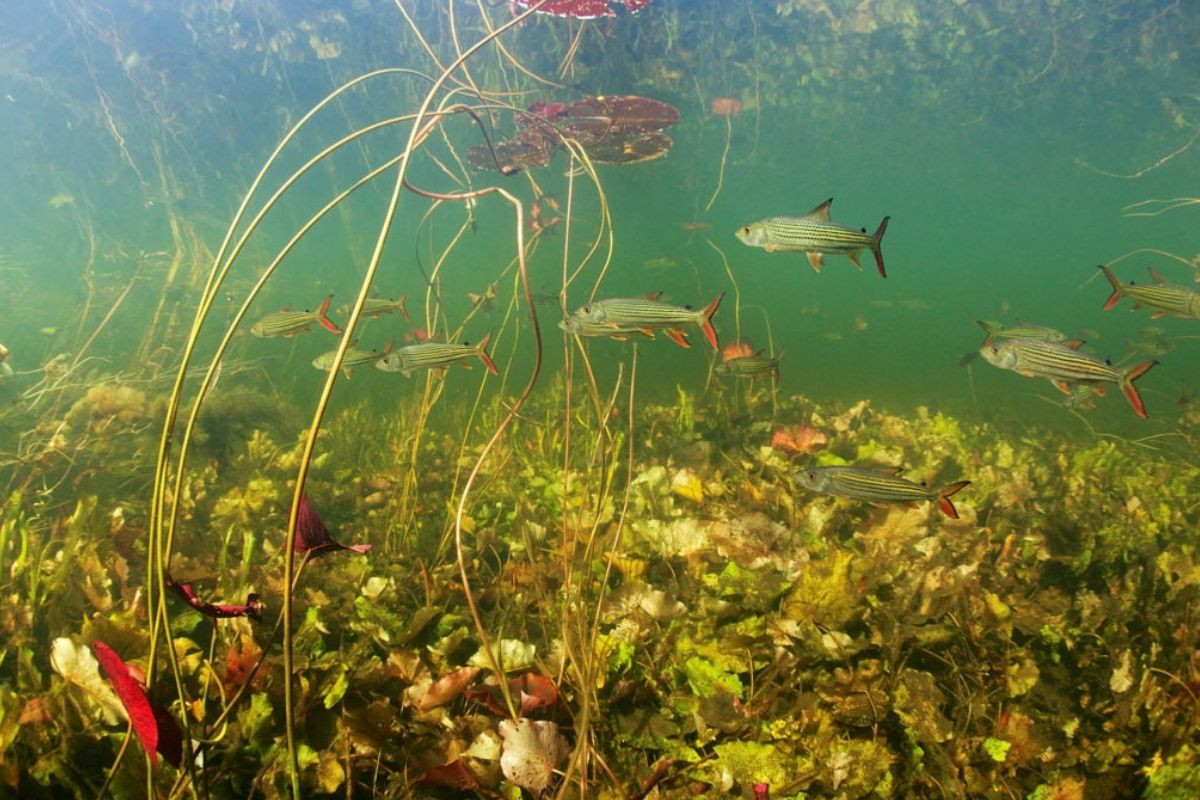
<point x="760" y="352"/>
<point x="821" y="212"/>
<point x="657" y="293"/>
<point x="1155" y="275"/>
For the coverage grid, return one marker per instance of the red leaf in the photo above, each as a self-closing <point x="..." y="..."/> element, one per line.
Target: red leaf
<point x="537" y="691"/>
<point x="252" y="607"/>
<point x="313" y="537"/>
<point x="155" y="727"/>
<point x="454" y="775"/>
<point x="533" y="692"/>
<point x="447" y="688"/>
<point x="583" y="9"/>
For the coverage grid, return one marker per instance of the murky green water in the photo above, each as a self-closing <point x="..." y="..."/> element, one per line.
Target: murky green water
<point x="1014" y="145"/>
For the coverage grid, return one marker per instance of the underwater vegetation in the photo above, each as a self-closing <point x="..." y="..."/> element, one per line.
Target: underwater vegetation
<point x="519" y="568"/>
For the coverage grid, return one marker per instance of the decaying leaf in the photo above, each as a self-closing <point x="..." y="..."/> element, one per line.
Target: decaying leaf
<point x="532" y="750"/>
<point x="78" y="667"/>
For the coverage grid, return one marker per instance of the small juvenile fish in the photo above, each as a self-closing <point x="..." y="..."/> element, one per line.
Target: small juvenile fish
<point x="814" y="234"/>
<point x="1065" y="367"/>
<point x="877" y="486"/>
<point x="752" y="366"/>
<point x="647" y="314"/>
<point x="433" y="355"/>
<point x="354" y="358"/>
<point x="289" y="323"/>
<point x="1165" y="298"/>
<point x="378" y="306"/>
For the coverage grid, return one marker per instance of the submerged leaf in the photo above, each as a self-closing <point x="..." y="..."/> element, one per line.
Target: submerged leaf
<point x="532" y="749"/>
<point x="313" y="537"/>
<point x="155" y="728"/>
<point x="78" y="667"/>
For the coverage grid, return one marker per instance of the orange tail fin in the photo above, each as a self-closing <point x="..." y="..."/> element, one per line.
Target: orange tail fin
<point x="1118" y="289"/>
<point x="481" y="349"/>
<point x="710" y="333"/>
<point x="944" y="493"/>
<point x="877" y="248"/>
<point x="322" y="317"/>
<point x="1131" y="392"/>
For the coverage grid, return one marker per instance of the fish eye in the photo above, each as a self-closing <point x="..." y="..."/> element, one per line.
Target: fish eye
<point x="811" y="473"/>
<point x="746" y="229"/>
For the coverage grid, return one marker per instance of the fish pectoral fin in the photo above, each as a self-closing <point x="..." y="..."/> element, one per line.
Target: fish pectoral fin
<point x="816" y="260"/>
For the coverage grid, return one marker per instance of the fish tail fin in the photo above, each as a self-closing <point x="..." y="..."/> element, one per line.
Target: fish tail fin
<point x="944" y="493"/>
<point x="1131" y="392"/>
<point x="1117" y="292"/>
<point x="481" y="351"/>
<point x="710" y="332"/>
<point x="402" y="308"/>
<point x="323" y="318"/>
<point x="877" y="246"/>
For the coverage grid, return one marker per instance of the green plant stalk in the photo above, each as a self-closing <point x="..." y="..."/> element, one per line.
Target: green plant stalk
<point x="416" y="135"/>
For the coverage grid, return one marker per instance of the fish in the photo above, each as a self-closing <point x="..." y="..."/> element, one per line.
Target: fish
<point x="378" y="306"/>
<point x="1165" y="298"/>
<point x="751" y="366"/>
<point x="577" y="325"/>
<point x="1022" y="330"/>
<point x="289" y="323"/>
<point x="433" y="355"/>
<point x="354" y="358"/>
<point x="647" y="314"/>
<point x="1065" y="367"/>
<point x="814" y="235"/>
<point x="877" y="485"/>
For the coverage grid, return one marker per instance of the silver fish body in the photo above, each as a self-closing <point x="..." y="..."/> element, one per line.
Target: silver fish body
<point x="1064" y="366"/>
<point x="353" y="358"/>
<point x="378" y="306"/>
<point x="876" y="485"/>
<point x="751" y="366"/>
<point x="434" y="355"/>
<point x="289" y="323"/>
<point x="646" y="314"/>
<point x="1165" y="298"/>
<point x="814" y="234"/>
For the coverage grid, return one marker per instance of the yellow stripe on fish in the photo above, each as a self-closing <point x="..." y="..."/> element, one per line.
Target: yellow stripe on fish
<point x="814" y="234"/>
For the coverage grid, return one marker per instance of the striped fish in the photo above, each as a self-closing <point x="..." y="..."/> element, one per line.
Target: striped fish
<point x="752" y="366"/>
<point x="1022" y="330"/>
<point x="1065" y="367"/>
<point x="877" y="485"/>
<point x="647" y="315"/>
<point x="354" y="358"/>
<point x="289" y="323"/>
<point x="1165" y="298"/>
<point x="577" y="325"/>
<point x="378" y="306"/>
<point x="813" y="234"/>
<point x="433" y="355"/>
